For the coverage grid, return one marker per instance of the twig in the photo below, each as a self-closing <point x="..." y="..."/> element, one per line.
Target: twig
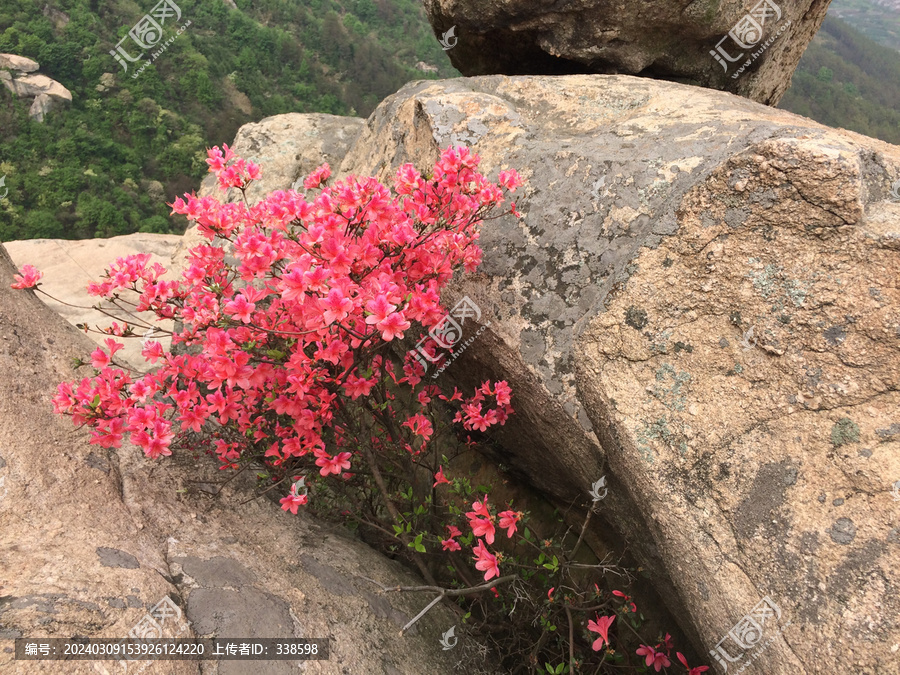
<point x="571" y="640"/>
<point x="267" y="490"/>
<point x="449" y="592"/>
<point x="418" y="616"/>
<point x="442" y="593"/>
<point x="581" y="536"/>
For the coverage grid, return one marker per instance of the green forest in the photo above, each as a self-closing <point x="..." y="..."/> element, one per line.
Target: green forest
<point x="107" y="164"/>
<point x="847" y="80"/>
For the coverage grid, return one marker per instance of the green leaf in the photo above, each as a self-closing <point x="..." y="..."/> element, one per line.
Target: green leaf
<point x="417" y="543"/>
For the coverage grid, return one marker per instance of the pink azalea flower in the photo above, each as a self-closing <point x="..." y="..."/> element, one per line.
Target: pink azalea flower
<point x="510" y="180"/>
<point x="482" y="527"/>
<point x="481" y="508"/>
<point x="486" y="561"/>
<point x="439" y="477"/>
<point x="508" y="520"/>
<point x="333" y="464"/>
<point x="379" y="309"/>
<point x="601" y="626"/>
<point x="697" y="670"/>
<point x="337" y="307"/>
<point x="653" y="658"/>
<point x="99" y="359"/>
<point x="358" y="386"/>
<point x="239" y="308"/>
<point x="450" y="544"/>
<point x="317" y="177"/>
<point x="420" y="426"/>
<point x="28" y="277"/>
<point x="292" y="502"/>
<point x="392" y="327"/>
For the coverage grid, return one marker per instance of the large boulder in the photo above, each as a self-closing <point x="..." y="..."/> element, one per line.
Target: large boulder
<point x="68" y="266"/>
<point x="36" y="85"/>
<point x="750" y="470"/>
<point x="21" y="63"/>
<point x="700" y="43"/>
<point x="17" y="74"/>
<point x="92" y="541"/>
<point x="41" y="106"/>
<point x="287" y="147"/>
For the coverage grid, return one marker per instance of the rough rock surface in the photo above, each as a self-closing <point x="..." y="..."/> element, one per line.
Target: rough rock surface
<point x="20" y="63"/>
<point x="288" y="148"/>
<point x="660" y="39"/>
<point x="40" y="107"/>
<point x="91" y="541"/>
<point x="662" y="223"/>
<point x="17" y="74"/>
<point x="35" y="85"/>
<point x="69" y="265"/>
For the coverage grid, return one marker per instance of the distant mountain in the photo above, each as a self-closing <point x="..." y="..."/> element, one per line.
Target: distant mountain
<point x="876" y="19"/>
<point x="848" y="80"/>
<point x="107" y="164"/>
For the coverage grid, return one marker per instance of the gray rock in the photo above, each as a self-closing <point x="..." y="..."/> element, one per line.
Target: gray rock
<point x="36" y="85"/>
<point x="40" y="107"/>
<point x="780" y="223"/>
<point x="659" y="39"/>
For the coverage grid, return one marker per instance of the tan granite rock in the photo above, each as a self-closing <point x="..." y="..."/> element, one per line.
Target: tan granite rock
<point x="68" y="266"/>
<point x="19" y="63"/>
<point x="663" y="222"/>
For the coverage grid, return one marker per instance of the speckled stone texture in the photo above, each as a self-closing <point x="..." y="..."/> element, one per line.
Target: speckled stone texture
<point x="760" y="41"/>
<point x="663" y="222"/>
<point x="288" y="148"/>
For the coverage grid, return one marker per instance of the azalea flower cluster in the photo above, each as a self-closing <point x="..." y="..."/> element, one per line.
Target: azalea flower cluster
<point x="481" y="522"/>
<point x="285" y="316"/>
<point x="656" y="657"/>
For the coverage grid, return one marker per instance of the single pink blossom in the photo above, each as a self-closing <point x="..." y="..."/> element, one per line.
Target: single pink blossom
<point x="486" y="561"/>
<point x="28" y="277"/>
<point x="653" y="658"/>
<point x="450" y="544"/>
<point x="508" y="520"/>
<point x="439" y="477"/>
<point x="292" y="502"/>
<point x="601" y="626"/>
